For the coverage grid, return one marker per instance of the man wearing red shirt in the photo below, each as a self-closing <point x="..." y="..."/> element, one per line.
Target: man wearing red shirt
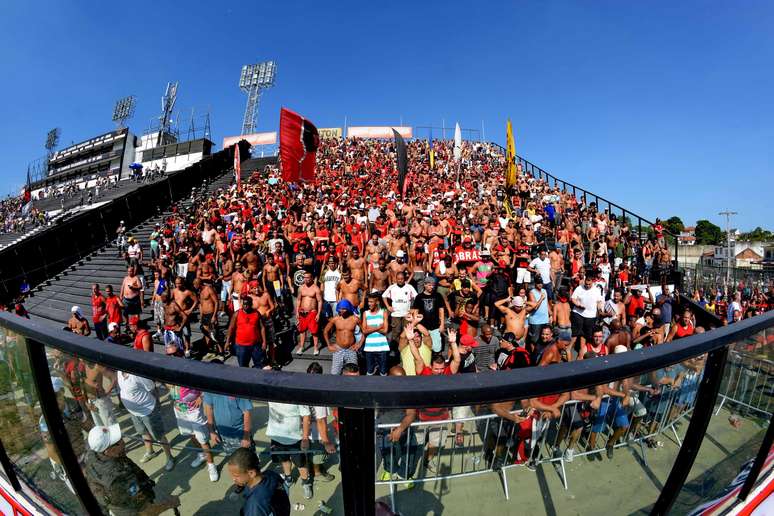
<point x="438" y="366"/>
<point x="99" y="312"/>
<point x="113" y="306"/>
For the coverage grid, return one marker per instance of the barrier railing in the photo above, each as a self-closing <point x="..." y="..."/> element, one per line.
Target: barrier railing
<point x="488" y="443"/>
<point x="496" y="445"/>
<point x="750" y="384"/>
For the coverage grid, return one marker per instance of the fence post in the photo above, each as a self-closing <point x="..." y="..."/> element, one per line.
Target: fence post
<point x="356" y="450"/>
<point x="697" y="428"/>
<point x="48" y="405"/>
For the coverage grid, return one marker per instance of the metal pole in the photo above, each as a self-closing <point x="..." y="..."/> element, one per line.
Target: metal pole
<point x="755" y="470"/>
<point x="728" y="215"/>
<point x="356" y="452"/>
<point x="56" y="429"/>
<point x="10" y="473"/>
<point x="697" y="428"/>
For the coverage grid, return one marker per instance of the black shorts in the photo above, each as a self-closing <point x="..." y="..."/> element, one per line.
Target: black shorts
<point x="132" y="306"/>
<point x="283" y="452"/>
<point x="582" y="326"/>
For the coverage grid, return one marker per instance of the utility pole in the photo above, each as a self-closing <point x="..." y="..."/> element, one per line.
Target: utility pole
<point x="728" y="214"/>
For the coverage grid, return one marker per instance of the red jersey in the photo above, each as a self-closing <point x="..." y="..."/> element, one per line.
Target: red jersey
<point x="97" y="307"/>
<point x="113" y="309"/>
<point x="247" y="328"/>
<point x="138" y="340"/>
<point x="433" y="414"/>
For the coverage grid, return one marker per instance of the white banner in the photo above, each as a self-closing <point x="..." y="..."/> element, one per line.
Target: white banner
<point x="378" y="132"/>
<point x="253" y="139"/>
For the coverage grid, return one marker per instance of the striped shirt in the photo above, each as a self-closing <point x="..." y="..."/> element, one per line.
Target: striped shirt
<point x="375" y="341"/>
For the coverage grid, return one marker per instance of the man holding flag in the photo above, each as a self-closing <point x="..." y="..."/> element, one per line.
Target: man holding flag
<point x="237" y="168"/>
<point x="299" y="141"/>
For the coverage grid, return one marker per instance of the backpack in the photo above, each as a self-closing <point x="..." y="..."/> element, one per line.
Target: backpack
<point x="119" y="481"/>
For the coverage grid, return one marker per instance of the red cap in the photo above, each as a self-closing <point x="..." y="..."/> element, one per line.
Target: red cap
<point x="133" y="320"/>
<point x="468" y="341"/>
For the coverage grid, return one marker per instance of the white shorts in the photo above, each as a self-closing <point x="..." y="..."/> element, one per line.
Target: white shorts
<point x="523" y="276"/>
<point x="237" y="302"/>
<point x="199" y="431"/>
<point x="432" y="436"/>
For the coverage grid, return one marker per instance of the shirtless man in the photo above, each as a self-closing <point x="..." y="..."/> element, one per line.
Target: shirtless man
<point x="308" y="312"/>
<point x="252" y="262"/>
<point x="379" y="279"/>
<point x="187" y="301"/>
<point x="349" y="289"/>
<point x="560" y="311"/>
<point x="132" y="294"/>
<point x="515" y="316"/>
<point x="97" y="395"/>
<point x="273" y="279"/>
<point x="208" y="307"/>
<point x="398" y="265"/>
<point x="78" y="324"/>
<point x="238" y="280"/>
<point x="174" y="319"/>
<point x="374" y="250"/>
<point x="357" y="265"/>
<point x="226" y="279"/>
<point x="619" y="336"/>
<point x="192" y="271"/>
<point x="557" y="266"/>
<point x="345" y="349"/>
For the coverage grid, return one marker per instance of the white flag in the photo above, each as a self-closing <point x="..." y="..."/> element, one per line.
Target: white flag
<point x="457" y="143"/>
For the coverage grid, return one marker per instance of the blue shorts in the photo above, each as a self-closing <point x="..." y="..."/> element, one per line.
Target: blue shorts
<point x="610" y="410"/>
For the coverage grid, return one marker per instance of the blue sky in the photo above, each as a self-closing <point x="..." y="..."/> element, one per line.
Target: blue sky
<point x="665" y="108"/>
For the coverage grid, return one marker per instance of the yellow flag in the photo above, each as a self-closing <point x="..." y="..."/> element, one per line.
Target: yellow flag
<point x="510" y="157"/>
<point x="432" y="159"/>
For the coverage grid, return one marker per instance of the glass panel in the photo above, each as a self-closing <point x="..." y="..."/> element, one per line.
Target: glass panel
<point x="620" y="438"/>
<point x="24" y="431"/>
<point x="736" y="430"/>
<point x="163" y="428"/>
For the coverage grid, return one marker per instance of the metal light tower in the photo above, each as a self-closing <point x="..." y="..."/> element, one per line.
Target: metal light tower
<point x="123" y="110"/>
<point x="167" y="107"/>
<point x="728" y="214"/>
<point x="52" y="140"/>
<point x="253" y="80"/>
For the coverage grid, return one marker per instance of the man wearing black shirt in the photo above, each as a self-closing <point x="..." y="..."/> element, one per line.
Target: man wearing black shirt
<point x="430" y="305"/>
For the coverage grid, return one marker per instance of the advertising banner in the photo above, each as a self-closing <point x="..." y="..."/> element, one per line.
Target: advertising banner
<point x="378" y="132"/>
<point x="253" y="139"/>
<point x="326" y="133"/>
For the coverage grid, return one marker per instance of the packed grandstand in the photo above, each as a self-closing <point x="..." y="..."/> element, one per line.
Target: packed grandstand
<point x="457" y="274"/>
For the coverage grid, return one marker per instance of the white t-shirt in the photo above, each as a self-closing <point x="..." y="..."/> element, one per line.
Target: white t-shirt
<point x="401" y="297"/>
<point x="589" y="299"/>
<point x="330" y="281"/>
<point x="543" y="267"/>
<point x="285" y="425"/>
<point x="317" y="414"/>
<point x="136" y="394"/>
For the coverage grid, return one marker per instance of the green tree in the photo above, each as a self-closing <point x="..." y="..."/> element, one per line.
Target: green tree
<point x="758" y="234"/>
<point x="674" y="225"/>
<point x="708" y="233"/>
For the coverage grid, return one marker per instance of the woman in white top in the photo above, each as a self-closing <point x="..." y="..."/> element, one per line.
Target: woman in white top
<point x="375" y="325"/>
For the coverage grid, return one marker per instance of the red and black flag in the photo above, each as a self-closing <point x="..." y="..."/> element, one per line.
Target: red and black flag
<point x="299" y="141"/>
<point x="237" y="168"/>
<point x="400" y="150"/>
<point x="28" y="187"/>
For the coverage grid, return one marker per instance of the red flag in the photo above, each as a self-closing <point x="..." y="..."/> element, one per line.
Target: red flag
<point x="299" y="140"/>
<point x="237" y="168"/>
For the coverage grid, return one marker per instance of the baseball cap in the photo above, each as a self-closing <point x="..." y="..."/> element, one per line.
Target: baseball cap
<point x="112" y="326"/>
<point x="133" y="320"/>
<point x="517" y="301"/>
<point x="468" y="341"/>
<point x="103" y="437"/>
<point x="76" y="310"/>
<point x="620" y="348"/>
<point x="400" y="253"/>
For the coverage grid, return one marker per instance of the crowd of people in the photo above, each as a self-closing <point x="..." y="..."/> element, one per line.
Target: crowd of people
<point x="17" y="217"/>
<point x="460" y="275"/>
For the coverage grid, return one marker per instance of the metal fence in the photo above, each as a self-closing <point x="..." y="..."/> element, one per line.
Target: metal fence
<point x="709" y="277"/>
<point x="431" y="451"/>
<point x="749" y="385"/>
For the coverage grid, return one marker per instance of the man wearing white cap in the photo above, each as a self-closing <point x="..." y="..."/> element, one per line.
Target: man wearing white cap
<point x="120" y="486"/>
<point x="78" y="324"/>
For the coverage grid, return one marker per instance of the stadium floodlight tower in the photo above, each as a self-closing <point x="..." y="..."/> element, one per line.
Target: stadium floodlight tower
<point x="254" y="79"/>
<point x="167" y="107"/>
<point x="124" y="110"/>
<point x="52" y="140"/>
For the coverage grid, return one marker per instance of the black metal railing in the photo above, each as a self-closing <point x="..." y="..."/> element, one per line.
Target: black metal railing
<point x="358" y="397"/>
